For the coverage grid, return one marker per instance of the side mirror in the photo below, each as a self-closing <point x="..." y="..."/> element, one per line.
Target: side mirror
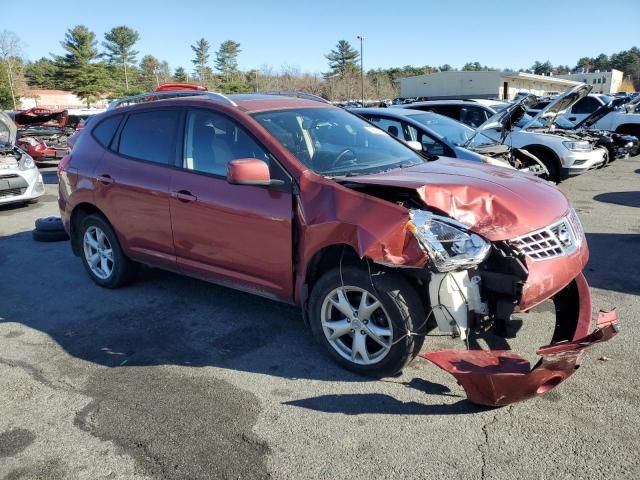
<point x="250" y="171"/>
<point x="417" y="146"/>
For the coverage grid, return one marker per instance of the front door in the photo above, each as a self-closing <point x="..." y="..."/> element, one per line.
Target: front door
<point x="235" y="234"/>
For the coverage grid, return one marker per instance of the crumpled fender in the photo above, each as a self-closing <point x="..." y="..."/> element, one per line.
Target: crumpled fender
<point x="501" y="377"/>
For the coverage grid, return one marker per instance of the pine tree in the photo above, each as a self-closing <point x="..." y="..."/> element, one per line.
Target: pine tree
<point x="342" y="59"/>
<point x="227" y="58"/>
<point x="201" y="60"/>
<point x="119" y="42"/>
<point x="180" y="75"/>
<point x="78" y="66"/>
<point x="42" y="73"/>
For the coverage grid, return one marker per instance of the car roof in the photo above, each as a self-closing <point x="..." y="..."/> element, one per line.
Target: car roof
<point x="248" y="103"/>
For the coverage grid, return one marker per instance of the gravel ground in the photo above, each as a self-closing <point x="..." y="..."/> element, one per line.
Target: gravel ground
<point x="176" y="378"/>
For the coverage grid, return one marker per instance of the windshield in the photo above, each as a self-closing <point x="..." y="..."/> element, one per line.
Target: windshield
<point x="333" y="142"/>
<point x="456" y="132"/>
<point x="526" y="118"/>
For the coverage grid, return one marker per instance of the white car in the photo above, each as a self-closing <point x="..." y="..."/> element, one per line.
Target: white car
<point x="617" y="120"/>
<point x="20" y="179"/>
<point x="564" y="155"/>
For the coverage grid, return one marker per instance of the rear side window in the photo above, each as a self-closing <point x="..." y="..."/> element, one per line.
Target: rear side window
<point x="105" y="130"/>
<point x="586" y="105"/>
<point x="150" y="136"/>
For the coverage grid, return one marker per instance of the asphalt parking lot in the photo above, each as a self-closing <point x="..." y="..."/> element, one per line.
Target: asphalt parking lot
<point x="176" y="378"/>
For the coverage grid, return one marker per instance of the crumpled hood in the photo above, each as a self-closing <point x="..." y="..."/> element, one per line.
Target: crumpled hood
<point x="495" y="202"/>
<point x="8" y="129"/>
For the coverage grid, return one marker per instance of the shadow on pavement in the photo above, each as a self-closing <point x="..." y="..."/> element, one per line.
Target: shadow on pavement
<point x="164" y="319"/>
<point x="613" y="262"/>
<point x="378" y="403"/>
<point x="627" y="199"/>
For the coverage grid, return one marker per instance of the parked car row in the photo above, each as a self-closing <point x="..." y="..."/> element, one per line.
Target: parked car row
<point x="565" y="148"/>
<point x="20" y="179"/>
<point x="377" y="239"/>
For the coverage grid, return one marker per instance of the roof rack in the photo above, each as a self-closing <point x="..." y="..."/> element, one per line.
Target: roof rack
<point x="151" y="96"/>
<point x="291" y="93"/>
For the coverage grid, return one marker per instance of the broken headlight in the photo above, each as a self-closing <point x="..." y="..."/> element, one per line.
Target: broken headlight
<point x="447" y="242"/>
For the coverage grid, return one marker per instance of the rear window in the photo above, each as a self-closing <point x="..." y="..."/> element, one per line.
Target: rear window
<point x="105" y="130"/>
<point x="150" y="136"/>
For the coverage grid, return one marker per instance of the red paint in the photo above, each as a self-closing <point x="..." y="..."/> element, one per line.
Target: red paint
<point x="243" y="235"/>
<point x="501" y="377"/>
<point x="248" y="171"/>
<point x="171" y="86"/>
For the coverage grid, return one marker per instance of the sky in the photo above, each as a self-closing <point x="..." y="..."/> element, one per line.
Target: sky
<point x="299" y="33"/>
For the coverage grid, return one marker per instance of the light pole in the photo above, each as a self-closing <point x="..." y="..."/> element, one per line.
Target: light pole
<point x="361" y="38"/>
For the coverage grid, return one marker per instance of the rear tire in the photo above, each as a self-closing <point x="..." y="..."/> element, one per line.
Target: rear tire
<point x="102" y="255"/>
<point x="380" y="332"/>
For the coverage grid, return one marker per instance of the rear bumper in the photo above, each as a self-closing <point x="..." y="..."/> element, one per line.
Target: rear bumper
<point x="501" y="377"/>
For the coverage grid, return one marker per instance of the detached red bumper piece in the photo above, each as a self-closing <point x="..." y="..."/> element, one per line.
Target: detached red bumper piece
<point x="500" y="377"/>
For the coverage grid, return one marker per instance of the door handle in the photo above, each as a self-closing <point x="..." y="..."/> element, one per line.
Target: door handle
<point x="184" y="196"/>
<point x="573" y="119"/>
<point x="105" y="179"/>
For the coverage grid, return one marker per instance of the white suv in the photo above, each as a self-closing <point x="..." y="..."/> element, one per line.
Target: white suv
<point x="563" y="154"/>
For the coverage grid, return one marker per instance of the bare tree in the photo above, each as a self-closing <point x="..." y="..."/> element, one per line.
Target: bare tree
<point x="11" y="57"/>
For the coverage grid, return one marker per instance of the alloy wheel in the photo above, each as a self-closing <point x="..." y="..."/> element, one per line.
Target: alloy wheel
<point x="98" y="252"/>
<point x="356" y="325"/>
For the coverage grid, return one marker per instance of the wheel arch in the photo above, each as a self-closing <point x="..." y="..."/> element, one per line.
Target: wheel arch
<point x="78" y="214"/>
<point x="540" y="151"/>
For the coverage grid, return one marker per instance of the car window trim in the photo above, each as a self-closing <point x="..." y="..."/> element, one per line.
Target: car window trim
<point x="115" y="147"/>
<point x="274" y="163"/>
<point x="113" y="135"/>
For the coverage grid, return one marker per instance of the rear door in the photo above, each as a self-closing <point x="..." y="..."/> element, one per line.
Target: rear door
<point x="230" y="234"/>
<point x="132" y="184"/>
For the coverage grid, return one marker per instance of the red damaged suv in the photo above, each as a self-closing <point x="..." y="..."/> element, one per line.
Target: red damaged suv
<point x="292" y="198"/>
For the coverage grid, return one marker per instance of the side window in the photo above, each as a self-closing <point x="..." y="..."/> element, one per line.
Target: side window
<point x="473" y="116"/>
<point x="150" y="136"/>
<point x="430" y="144"/>
<point x="105" y="130"/>
<point x="394" y="127"/>
<point x="585" y="105"/>
<point x="451" y="111"/>
<point x="212" y="141"/>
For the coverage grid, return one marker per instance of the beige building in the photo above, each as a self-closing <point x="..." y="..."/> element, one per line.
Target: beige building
<point x="602" y="82"/>
<point x="485" y="84"/>
<point x="55" y="99"/>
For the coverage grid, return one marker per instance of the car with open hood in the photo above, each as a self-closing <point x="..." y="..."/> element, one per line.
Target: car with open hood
<point x="619" y="119"/>
<point x="20" y="179"/>
<point x="437" y="135"/>
<point x="292" y="198"/>
<point x="43" y="133"/>
<point x="618" y="145"/>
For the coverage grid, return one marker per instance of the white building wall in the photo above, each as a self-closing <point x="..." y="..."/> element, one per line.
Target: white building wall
<point x="602" y="82"/>
<point x="479" y="84"/>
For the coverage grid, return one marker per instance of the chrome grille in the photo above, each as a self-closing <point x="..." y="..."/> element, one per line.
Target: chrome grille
<point x="560" y="238"/>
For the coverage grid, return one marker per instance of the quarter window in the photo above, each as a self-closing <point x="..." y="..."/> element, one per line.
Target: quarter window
<point x="212" y="141"/>
<point x="105" y="130"/>
<point x="150" y="136"/>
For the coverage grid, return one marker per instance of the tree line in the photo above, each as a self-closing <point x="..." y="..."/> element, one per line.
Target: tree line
<point x="113" y="68"/>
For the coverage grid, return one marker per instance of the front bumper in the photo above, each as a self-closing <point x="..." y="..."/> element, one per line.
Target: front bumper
<point x="13" y="189"/>
<point x="502" y="377"/>
<point x="576" y="163"/>
<point x="41" y="151"/>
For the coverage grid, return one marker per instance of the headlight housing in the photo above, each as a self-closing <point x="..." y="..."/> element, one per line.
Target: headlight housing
<point x="26" y="162"/>
<point x="581" y="146"/>
<point x="450" y="246"/>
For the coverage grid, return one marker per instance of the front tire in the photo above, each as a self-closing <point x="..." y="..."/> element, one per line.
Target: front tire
<point x="102" y="255"/>
<point x="370" y="324"/>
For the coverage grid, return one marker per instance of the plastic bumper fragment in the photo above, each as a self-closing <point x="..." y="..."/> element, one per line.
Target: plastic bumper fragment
<point x="501" y="377"/>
